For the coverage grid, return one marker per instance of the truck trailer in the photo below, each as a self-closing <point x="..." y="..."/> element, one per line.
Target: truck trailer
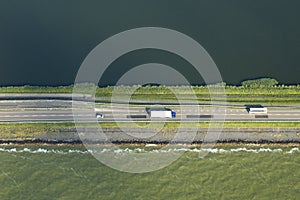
<point x="161" y="113"/>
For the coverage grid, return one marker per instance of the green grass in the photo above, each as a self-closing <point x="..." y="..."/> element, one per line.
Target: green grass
<point x="30" y="131"/>
<point x="167" y="124"/>
<point x="36" y="89"/>
<point x="279" y="95"/>
<point x="237" y="94"/>
<point x="174" y="125"/>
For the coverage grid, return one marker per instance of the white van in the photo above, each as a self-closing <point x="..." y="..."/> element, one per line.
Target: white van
<point x="261" y="110"/>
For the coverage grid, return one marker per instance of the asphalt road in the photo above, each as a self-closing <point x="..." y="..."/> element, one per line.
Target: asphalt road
<point x="61" y="111"/>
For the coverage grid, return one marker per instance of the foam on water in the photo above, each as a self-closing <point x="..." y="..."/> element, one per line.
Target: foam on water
<point x="293" y="150"/>
<point x="41" y="150"/>
<point x="141" y="150"/>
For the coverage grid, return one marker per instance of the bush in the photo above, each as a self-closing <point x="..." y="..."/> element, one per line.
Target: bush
<point x="260" y="83"/>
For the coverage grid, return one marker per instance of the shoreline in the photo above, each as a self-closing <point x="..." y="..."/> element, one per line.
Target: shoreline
<point x="218" y="144"/>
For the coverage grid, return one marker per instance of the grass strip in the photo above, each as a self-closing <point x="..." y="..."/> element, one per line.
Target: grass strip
<point x="279" y="94"/>
<point x="31" y="131"/>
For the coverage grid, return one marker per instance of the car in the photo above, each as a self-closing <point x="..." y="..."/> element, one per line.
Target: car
<point x="99" y="116"/>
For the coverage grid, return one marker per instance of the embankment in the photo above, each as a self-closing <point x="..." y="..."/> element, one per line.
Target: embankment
<point x="137" y="135"/>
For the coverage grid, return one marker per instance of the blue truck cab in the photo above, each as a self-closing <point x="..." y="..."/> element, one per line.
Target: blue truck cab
<point x="173" y="114"/>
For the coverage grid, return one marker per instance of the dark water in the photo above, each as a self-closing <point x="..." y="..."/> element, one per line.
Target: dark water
<point x="44" y="42"/>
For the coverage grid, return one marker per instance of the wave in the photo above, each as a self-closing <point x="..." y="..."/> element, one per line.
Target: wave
<point x="41" y="150"/>
<point x="142" y="150"/>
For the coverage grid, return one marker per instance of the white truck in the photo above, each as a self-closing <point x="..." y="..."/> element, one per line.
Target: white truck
<point x="161" y="113"/>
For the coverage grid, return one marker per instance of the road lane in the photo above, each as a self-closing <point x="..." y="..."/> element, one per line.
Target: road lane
<point x="61" y="111"/>
<point x="122" y="115"/>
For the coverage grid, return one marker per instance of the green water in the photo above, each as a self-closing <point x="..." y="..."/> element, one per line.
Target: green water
<point x="233" y="175"/>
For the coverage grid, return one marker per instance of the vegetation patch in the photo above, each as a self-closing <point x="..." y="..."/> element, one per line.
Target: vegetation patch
<point x="264" y="90"/>
<point x="30" y="131"/>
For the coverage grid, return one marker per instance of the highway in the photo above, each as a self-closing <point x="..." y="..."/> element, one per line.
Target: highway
<point x="61" y="111"/>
